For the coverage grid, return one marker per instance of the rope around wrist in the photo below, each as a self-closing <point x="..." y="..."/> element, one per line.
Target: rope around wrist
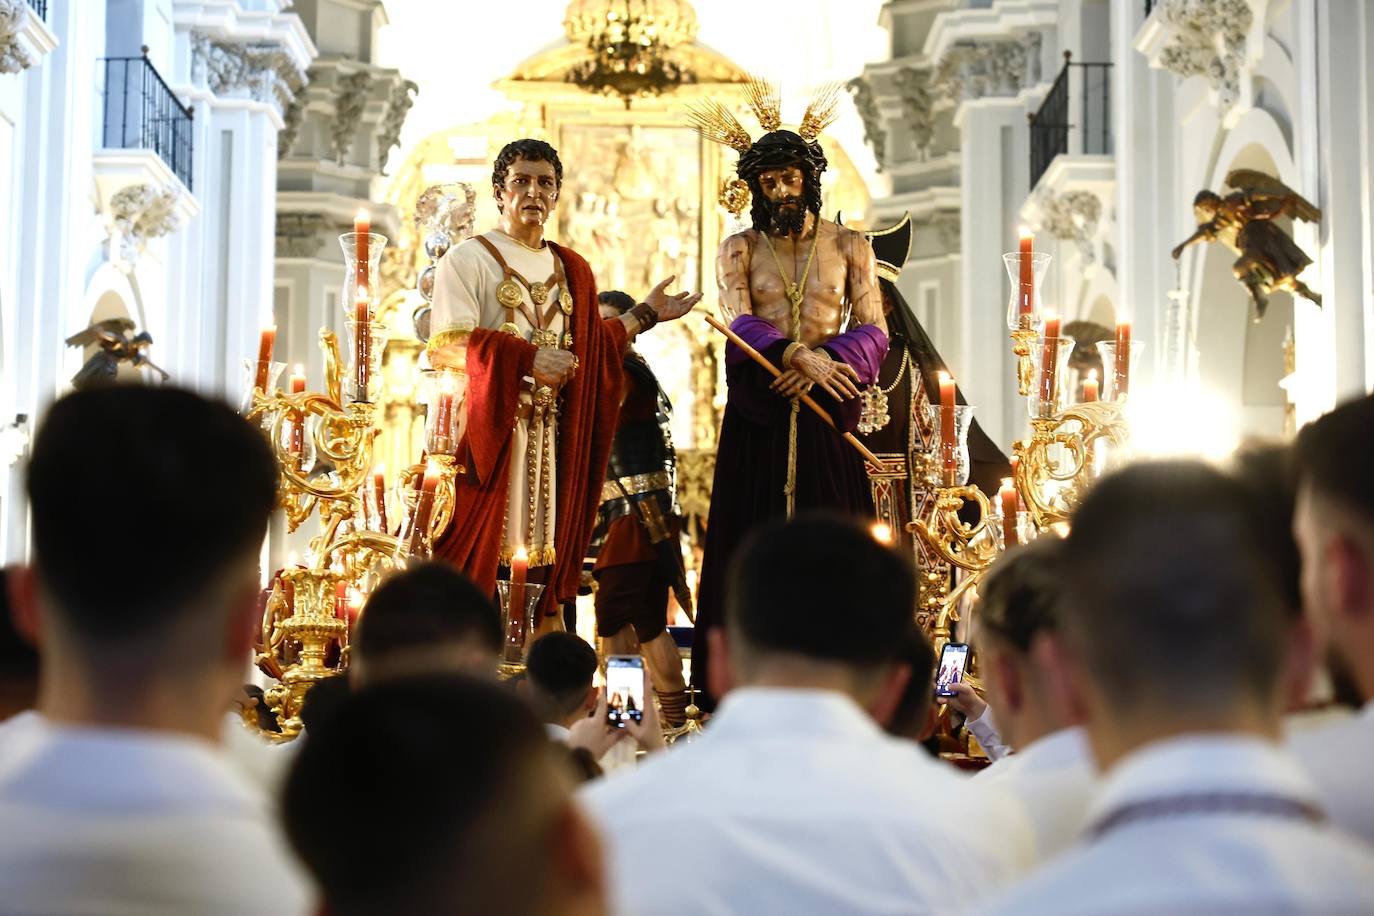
<point x="646" y="316"/>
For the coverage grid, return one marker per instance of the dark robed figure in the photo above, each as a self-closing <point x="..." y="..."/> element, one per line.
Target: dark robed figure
<point x="802" y="291"/>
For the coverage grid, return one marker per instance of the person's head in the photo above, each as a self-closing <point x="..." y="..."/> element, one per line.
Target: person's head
<point x="1205" y="206"/>
<point x="915" y="715"/>
<point x="1334" y="527"/>
<point x="1014" y="623"/>
<point x="455" y="802"/>
<point x="1172" y="613"/>
<point x="817" y="602"/>
<point x="614" y="303"/>
<point x="144" y="585"/>
<point x="429" y="618"/>
<point x="18" y="659"/>
<point x="783" y="172"/>
<point x="526" y="179"/>
<point x="558" y="678"/>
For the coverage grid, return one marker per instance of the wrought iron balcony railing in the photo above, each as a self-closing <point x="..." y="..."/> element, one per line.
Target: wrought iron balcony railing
<point x="142" y="113"/>
<point x="40" y="7"/>
<point x="1051" y="131"/>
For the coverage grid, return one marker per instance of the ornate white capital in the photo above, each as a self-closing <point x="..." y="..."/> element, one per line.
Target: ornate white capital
<point x="350" y="98"/>
<point x="866" y="103"/>
<point x="265" y="72"/>
<point x="1070" y="216"/>
<point x="389" y="131"/>
<point x="1206" y="38"/>
<point x="138" y="214"/>
<point x="913" y="85"/>
<point x="24" y="37"/>
<point x="302" y="235"/>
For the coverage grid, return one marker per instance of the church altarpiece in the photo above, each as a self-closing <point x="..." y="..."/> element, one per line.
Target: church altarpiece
<point x="640" y="201"/>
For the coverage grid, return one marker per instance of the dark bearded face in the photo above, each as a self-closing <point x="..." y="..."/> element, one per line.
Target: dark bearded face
<point x="784" y="190"/>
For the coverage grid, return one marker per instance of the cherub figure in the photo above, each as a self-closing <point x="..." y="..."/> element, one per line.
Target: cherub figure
<point x="116" y="346"/>
<point x="1244" y="221"/>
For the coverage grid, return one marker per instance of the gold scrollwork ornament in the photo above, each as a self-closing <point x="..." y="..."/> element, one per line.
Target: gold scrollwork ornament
<point x="508" y="293"/>
<point x="565" y="302"/>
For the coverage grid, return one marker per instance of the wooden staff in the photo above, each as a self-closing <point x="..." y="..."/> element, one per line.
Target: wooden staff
<point x="762" y="360"/>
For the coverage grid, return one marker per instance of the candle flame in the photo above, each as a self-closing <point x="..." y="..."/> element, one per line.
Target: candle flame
<point x="299" y="369"/>
<point x="363" y="295"/>
<point x="293" y="559"/>
<point x="1024" y="232"/>
<point x="522" y="555"/>
<point x="362" y="216"/>
<point x="1006" y="484"/>
<point x="379" y="471"/>
<point x="944" y="376"/>
<point x="448" y="382"/>
<point x="355" y="598"/>
<point x="882" y="532"/>
<point x="431" y="468"/>
<point x="1092" y="375"/>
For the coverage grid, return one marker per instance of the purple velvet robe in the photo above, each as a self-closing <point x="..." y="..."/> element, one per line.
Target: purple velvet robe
<point x="751" y="459"/>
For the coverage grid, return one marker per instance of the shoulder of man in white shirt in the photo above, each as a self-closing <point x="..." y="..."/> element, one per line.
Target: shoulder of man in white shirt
<point x="171" y="825"/>
<point x="1338" y="755"/>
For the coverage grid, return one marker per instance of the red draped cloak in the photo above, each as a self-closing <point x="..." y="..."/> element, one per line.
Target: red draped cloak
<point x="588" y="408"/>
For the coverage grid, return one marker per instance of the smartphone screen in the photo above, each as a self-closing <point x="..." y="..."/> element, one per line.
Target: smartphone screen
<point x="953" y="661"/>
<point x="624" y="689"/>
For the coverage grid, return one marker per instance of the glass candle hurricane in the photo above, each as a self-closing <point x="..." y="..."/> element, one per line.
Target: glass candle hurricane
<point x="1116" y="373"/>
<point x="360" y="274"/>
<point x="1050" y="390"/>
<point x="1023" y="306"/>
<point x="444" y="390"/>
<point x="951" y="470"/>
<point x="518" y="604"/>
<point x="364" y="379"/>
<point x="252" y="371"/>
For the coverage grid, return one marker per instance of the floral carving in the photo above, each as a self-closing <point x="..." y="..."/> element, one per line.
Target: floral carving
<point x="13" y="16"/>
<point x="1208" y="39"/>
<point x="349" y="101"/>
<point x="866" y="103"/>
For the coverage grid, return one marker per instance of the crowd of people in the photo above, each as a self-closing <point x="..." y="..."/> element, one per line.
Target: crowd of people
<point x="1148" y="705"/>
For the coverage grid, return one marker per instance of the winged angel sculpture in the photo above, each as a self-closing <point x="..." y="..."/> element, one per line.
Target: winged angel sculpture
<point x="1244" y="222"/>
<point x="116" y="346"/>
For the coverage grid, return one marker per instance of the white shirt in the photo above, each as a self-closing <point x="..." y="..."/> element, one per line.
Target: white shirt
<point x="1201" y="861"/>
<point x="984" y="728"/>
<point x="1339" y="757"/>
<point x="120" y="821"/>
<point x="1054" y="777"/>
<point x="795" y="802"/>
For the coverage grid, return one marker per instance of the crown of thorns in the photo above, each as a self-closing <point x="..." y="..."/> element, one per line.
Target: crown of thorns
<point x="717" y="123"/>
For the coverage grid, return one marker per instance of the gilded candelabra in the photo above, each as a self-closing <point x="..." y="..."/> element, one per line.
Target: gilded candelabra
<point x="323" y="444"/>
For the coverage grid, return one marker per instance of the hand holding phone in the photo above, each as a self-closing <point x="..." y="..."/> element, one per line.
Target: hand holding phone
<point x="624" y="690"/>
<point x="953" y="664"/>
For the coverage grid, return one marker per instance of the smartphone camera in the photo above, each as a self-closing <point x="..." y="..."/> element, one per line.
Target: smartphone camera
<point x="953" y="664"/>
<point x="624" y="690"/>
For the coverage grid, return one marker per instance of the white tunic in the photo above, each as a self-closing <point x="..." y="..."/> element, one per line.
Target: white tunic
<point x="1202" y="861"/>
<point x="1054" y="776"/>
<point x="1340" y="759"/>
<point x="465" y="297"/>
<point x="122" y="821"/>
<point x="795" y="802"/>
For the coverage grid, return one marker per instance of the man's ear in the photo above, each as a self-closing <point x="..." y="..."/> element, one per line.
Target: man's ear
<point x="1299" y="665"/>
<point x="889" y="696"/>
<point x="245" y="620"/>
<point x="577" y="854"/>
<point x="1352" y="578"/>
<point x="590" y="700"/>
<point x="721" y="677"/>
<point x="1006" y="686"/>
<point x="21" y="584"/>
<point x="1063" y="675"/>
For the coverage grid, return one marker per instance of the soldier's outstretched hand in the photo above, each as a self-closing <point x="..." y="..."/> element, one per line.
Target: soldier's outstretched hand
<point x="671" y="307"/>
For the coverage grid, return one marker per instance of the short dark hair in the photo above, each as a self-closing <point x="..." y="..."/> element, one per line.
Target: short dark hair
<point x="821" y="586"/>
<point x="1334" y="454"/>
<point x="1267" y="471"/>
<point x="126" y="535"/>
<point x="1167" y="587"/>
<point x="425" y="605"/>
<point x="1019" y="594"/>
<point x="470" y="809"/>
<point x="620" y="301"/>
<point x="910" y="715"/>
<point x="530" y="149"/>
<point x="560" y="667"/>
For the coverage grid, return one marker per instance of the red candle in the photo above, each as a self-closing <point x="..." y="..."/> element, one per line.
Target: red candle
<point x="425" y="504"/>
<point x="354" y="606"/>
<point x="362" y="229"/>
<point x="379" y="496"/>
<point x="297" y="421"/>
<point x="341" y="600"/>
<point x="1123" y="359"/>
<point x="265" y="345"/>
<point x="1015" y="463"/>
<point x="362" y="314"/>
<point x="1048" y="355"/>
<point x="443" y="421"/>
<point x="948" y="454"/>
<point x="1090" y="386"/>
<point x="1026" y="294"/>
<point x="519" y="569"/>
<point x="1010" y="506"/>
<point x="288" y="589"/>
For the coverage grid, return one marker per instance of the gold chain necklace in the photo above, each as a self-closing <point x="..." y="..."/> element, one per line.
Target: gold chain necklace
<point x="795" y="291"/>
<point x="542" y="245"/>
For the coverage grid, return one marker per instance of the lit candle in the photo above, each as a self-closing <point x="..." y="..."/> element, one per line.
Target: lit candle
<point x="1026" y="297"/>
<point x="1090" y="386"/>
<point x="266" y="342"/>
<point x="379" y="496"/>
<point x="1048" y="360"/>
<point x="950" y="458"/>
<point x="425" y="505"/>
<point x="341" y="600"/>
<point x="443" y="421"/>
<point x="362" y="315"/>
<point x="1010" y="506"/>
<point x="298" y="379"/>
<point x="362" y="229"/>
<point x="882" y="532"/>
<point x="519" y="569"/>
<point x="296" y="442"/>
<point x="1122" y="369"/>
<point x="354" y="606"/>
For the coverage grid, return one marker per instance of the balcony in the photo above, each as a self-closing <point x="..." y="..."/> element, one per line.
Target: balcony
<point x="141" y="113"/>
<point x="1085" y="89"/>
<point x="40" y="7"/>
